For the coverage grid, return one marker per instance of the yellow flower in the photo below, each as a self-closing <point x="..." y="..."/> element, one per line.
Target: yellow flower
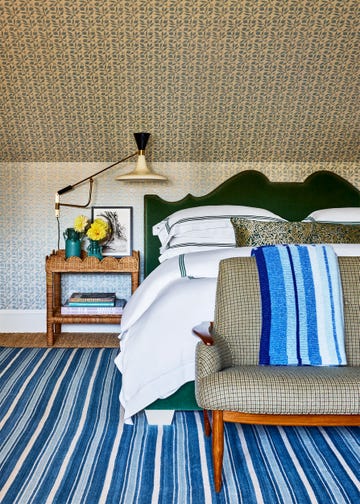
<point x="80" y="224"/>
<point x="98" y="230"/>
<point x="101" y="222"/>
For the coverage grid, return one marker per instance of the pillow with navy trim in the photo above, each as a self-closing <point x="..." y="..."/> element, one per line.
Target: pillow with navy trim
<point x="203" y="228"/>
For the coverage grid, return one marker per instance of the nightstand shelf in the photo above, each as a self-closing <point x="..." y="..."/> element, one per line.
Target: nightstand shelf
<point x="57" y="265"/>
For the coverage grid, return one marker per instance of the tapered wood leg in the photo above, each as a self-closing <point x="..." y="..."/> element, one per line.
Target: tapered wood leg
<point x="207" y="426"/>
<point x="49" y="309"/>
<point x="50" y="334"/>
<point x="218" y="447"/>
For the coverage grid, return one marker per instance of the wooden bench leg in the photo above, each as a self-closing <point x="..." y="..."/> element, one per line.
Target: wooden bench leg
<point x="218" y="447"/>
<point x="207" y="426"/>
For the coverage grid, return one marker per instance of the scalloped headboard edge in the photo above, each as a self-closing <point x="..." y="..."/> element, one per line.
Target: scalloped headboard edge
<point x="292" y="200"/>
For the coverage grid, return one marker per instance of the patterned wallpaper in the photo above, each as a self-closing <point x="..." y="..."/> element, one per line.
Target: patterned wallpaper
<point x="212" y="80"/>
<point x="28" y="227"/>
<point x="221" y="85"/>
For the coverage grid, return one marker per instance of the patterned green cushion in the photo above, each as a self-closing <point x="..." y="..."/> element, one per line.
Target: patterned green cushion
<point x="256" y="233"/>
<point x="250" y="233"/>
<point x="335" y="233"/>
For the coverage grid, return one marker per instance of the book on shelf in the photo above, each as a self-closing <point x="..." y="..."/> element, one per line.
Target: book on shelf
<point x="92" y="298"/>
<point x="93" y="304"/>
<point x="117" y="309"/>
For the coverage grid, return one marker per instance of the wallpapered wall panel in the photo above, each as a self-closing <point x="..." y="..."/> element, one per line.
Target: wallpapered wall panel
<point x="222" y="86"/>
<point x="212" y="80"/>
<point x="28" y="227"/>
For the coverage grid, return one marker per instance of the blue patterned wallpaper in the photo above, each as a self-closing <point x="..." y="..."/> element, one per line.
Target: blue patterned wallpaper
<point x="212" y="80"/>
<point x="28" y="227"/>
<point x="222" y="86"/>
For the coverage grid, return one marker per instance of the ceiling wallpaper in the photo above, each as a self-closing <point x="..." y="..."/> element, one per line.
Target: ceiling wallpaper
<point x="211" y="80"/>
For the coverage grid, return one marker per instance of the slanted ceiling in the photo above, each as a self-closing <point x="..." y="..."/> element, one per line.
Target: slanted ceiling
<point x="212" y="80"/>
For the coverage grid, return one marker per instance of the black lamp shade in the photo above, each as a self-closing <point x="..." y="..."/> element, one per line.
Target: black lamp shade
<point x="141" y="140"/>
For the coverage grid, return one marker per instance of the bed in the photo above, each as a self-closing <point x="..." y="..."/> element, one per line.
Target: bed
<point x="157" y="358"/>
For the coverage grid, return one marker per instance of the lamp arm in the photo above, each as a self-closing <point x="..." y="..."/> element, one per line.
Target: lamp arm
<point x="90" y="178"/>
<point x="91" y="181"/>
<point x="71" y="187"/>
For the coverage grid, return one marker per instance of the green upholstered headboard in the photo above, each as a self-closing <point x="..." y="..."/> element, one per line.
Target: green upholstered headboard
<point x="292" y="200"/>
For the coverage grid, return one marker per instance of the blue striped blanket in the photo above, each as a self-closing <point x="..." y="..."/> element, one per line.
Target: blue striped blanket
<point x="302" y="305"/>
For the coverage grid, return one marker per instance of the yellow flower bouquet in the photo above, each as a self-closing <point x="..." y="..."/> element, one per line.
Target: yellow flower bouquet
<point x="98" y="230"/>
<point x="95" y="232"/>
<point x="81" y="224"/>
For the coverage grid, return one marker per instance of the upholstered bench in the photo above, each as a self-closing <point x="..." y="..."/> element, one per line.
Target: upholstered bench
<point x="231" y="383"/>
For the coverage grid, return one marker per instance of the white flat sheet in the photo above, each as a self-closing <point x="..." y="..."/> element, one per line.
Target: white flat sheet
<point x="157" y="344"/>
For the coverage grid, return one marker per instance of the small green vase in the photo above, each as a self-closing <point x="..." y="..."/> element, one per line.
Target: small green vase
<point x="94" y="249"/>
<point x="72" y="243"/>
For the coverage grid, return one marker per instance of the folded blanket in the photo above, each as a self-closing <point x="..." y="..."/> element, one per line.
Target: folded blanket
<point x="302" y="305"/>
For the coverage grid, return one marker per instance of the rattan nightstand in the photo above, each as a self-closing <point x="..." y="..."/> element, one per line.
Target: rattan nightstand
<point x="56" y="265"/>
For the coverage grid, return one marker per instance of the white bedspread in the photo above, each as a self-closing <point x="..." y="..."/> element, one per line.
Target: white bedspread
<point x="157" y="344"/>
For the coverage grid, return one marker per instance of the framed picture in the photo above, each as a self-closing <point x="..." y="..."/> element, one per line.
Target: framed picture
<point x="119" y="219"/>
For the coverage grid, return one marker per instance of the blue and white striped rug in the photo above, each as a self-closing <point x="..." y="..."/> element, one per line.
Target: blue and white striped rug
<point x="62" y="441"/>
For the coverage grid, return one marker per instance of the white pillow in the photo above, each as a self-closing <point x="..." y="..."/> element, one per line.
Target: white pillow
<point x="346" y="215"/>
<point x="203" y="228"/>
<point x="217" y="238"/>
<point x="208" y="217"/>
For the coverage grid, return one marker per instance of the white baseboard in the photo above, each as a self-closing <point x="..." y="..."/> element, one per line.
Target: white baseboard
<point x="34" y="321"/>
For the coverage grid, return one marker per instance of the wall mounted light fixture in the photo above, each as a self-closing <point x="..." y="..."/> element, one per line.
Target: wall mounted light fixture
<point x="141" y="173"/>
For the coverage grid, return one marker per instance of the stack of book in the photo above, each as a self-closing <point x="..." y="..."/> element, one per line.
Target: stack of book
<point x="93" y="303"/>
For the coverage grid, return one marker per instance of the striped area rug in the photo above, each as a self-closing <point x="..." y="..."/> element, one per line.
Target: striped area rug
<point x="63" y="441"/>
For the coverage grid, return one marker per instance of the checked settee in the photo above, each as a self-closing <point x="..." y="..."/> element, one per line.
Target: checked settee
<point x="235" y="388"/>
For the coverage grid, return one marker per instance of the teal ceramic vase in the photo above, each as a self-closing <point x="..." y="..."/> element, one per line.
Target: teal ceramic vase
<point x="94" y="249"/>
<point x="72" y="243"/>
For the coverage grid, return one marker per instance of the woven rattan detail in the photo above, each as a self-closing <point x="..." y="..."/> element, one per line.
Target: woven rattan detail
<point x="57" y="262"/>
<point x="56" y="265"/>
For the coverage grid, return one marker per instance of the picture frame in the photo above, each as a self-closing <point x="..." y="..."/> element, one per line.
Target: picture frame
<point x="120" y="221"/>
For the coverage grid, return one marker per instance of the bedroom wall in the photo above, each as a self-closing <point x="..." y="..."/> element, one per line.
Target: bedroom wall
<point x="221" y="86"/>
<point x="29" y="227"/>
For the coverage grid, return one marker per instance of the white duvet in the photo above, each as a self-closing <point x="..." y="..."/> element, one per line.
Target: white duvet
<point x="157" y="344"/>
